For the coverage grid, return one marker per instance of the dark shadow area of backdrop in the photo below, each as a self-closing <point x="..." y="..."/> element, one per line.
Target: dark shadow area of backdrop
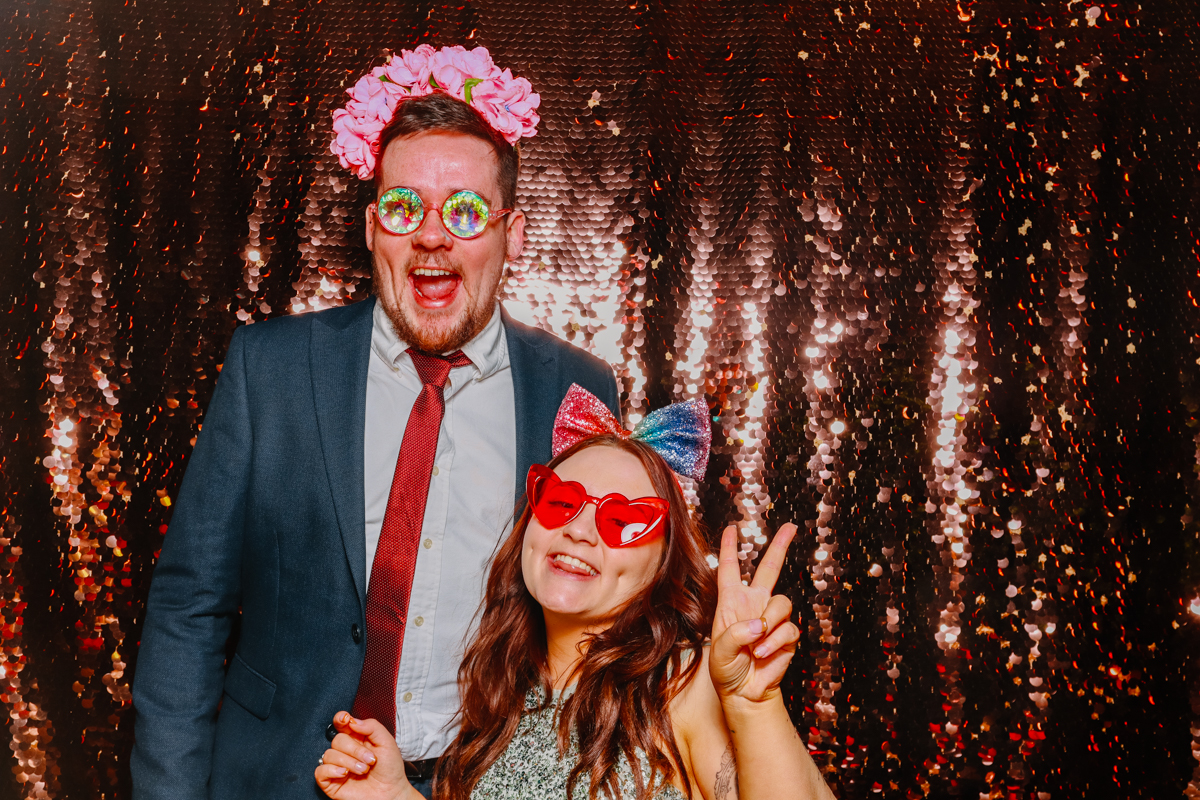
<point x="933" y="264"/>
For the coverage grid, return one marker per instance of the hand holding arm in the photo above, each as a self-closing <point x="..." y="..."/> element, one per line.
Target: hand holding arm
<point x="363" y="763"/>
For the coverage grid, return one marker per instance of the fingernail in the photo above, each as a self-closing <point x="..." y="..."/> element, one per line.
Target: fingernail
<point x="759" y="652"/>
<point x="339" y="772"/>
<point x="370" y="758"/>
<point x="756" y="626"/>
<point x="360" y="767"/>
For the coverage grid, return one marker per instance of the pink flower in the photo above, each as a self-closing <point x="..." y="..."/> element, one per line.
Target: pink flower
<point x="370" y="97"/>
<point x="454" y="66"/>
<point x="475" y="63"/>
<point x="449" y="78"/>
<point x="509" y="105"/>
<point x="411" y="69"/>
<point x="352" y="145"/>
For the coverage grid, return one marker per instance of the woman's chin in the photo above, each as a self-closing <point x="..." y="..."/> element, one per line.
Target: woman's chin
<point x="570" y="607"/>
<point x="564" y="604"/>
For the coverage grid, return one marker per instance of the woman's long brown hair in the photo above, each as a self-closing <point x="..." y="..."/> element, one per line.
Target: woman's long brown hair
<point x="627" y="678"/>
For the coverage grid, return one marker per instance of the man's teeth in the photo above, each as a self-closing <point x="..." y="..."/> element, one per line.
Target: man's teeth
<point x="575" y="562"/>
<point x="431" y="273"/>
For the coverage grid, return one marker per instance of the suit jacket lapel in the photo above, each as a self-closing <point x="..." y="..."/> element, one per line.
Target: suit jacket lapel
<point x="340" y="353"/>
<point x="535" y="409"/>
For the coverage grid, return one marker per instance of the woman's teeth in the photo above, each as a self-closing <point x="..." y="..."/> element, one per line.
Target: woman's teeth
<point x="575" y="562"/>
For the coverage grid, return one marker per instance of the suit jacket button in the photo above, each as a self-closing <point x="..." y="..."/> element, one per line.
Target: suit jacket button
<point x="330" y="732"/>
<point x="356" y="633"/>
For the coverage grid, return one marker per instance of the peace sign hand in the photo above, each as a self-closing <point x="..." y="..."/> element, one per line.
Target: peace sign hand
<point x="753" y="636"/>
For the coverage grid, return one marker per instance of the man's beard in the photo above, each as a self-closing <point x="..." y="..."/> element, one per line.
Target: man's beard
<point x="436" y="339"/>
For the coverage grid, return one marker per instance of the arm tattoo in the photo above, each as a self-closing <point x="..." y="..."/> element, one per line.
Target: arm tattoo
<point x="726" y="787"/>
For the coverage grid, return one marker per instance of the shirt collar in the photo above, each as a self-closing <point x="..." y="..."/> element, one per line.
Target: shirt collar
<point x="488" y="350"/>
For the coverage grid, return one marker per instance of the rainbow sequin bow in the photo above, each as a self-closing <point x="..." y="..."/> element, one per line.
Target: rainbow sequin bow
<point x="681" y="433"/>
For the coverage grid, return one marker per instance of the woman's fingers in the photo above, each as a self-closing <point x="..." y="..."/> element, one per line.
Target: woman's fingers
<point x="353" y="749"/>
<point x="783" y="637"/>
<point x="729" y="571"/>
<point x="342" y="721"/>
<point x="774" y="629"/>
<point x="772" y="560"/>
<point x="340" y="758"/>
<point x="328" y="774"/>
<point x="778" y="610"/>
<point x="364" y="749"/>
<point x="729" y="644"/>
<point x="780" y="630"/>
<point x="371" y="731"/>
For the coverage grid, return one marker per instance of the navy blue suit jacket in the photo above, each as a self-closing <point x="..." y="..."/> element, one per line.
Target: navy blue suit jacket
<point x="269" y="525"/>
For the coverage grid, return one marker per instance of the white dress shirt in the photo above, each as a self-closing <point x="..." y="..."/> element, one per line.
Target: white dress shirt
<point x="469" y="510"/>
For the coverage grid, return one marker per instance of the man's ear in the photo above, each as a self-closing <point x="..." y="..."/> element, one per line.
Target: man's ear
<point x="515" y="235"/>
<point x="370" y="230"/>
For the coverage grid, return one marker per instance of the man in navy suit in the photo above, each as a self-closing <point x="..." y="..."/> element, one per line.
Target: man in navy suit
<point x="279" y="516"/>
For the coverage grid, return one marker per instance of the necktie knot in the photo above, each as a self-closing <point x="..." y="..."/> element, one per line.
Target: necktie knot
<point x="435" y="369"/>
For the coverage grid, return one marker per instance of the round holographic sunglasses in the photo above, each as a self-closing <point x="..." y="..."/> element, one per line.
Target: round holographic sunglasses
<point x="465" y="214"/>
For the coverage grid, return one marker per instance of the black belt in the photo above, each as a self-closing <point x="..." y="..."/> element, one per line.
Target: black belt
<point x="420" y="770"/>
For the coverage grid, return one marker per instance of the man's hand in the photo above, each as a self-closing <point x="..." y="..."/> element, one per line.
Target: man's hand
<point x="753" y="635"/>
<point x="363" y="763"/>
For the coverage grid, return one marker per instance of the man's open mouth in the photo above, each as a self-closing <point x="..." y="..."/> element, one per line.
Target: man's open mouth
<point x="434" y="287"/>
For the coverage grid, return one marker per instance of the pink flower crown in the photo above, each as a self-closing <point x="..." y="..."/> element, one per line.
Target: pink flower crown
<point x="507" y="103"/>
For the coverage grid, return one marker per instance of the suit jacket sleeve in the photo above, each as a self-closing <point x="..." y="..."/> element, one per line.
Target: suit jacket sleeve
<point x="194" y="596"/>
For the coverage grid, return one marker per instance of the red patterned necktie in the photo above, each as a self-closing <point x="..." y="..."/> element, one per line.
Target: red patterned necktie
<point x="396" y="556"/>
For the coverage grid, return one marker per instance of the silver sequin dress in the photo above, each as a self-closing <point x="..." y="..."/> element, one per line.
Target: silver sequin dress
<point x="530" y="769"/>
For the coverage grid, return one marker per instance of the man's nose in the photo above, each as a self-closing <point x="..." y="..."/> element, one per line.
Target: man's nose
<point x="432" y="233"/>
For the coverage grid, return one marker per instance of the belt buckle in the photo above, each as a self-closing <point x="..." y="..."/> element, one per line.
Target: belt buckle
<point x="421" y="770"/>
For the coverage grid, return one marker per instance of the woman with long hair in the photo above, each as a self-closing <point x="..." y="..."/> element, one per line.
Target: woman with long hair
<point x="610" y="660"/>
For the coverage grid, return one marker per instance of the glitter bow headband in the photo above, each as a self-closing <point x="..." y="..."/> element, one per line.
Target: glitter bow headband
<point x="508" y="104"/>
<point x="681" y="433"/>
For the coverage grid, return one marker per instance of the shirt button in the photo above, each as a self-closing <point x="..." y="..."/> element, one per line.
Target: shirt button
<point x="435" y="471"/>
<point x="356" y="633"/>
<point x="408" y="697"/>
<point x="428" y="543"/>
<point x="419" y="621"/>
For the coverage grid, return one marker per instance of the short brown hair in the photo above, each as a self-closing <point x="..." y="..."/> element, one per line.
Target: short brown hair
<point x="439" y="112"/>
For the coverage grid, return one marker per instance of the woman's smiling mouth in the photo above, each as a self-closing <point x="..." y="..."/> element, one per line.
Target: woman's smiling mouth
<point x="572" y="565"/>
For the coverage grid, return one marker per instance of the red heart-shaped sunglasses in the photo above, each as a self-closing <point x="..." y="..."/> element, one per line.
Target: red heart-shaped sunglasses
<point x="619" y="520"/>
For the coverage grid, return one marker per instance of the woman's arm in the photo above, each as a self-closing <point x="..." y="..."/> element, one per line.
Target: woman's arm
<point x="363" y="763"/>
<point x="738" y="741"/>
<point x="766" y="757"/>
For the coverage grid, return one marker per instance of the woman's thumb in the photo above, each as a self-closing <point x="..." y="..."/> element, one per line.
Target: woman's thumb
<point x="738" y="635"/>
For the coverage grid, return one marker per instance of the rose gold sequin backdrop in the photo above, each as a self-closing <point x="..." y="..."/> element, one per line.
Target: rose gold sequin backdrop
<point x="932" y="264"/>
